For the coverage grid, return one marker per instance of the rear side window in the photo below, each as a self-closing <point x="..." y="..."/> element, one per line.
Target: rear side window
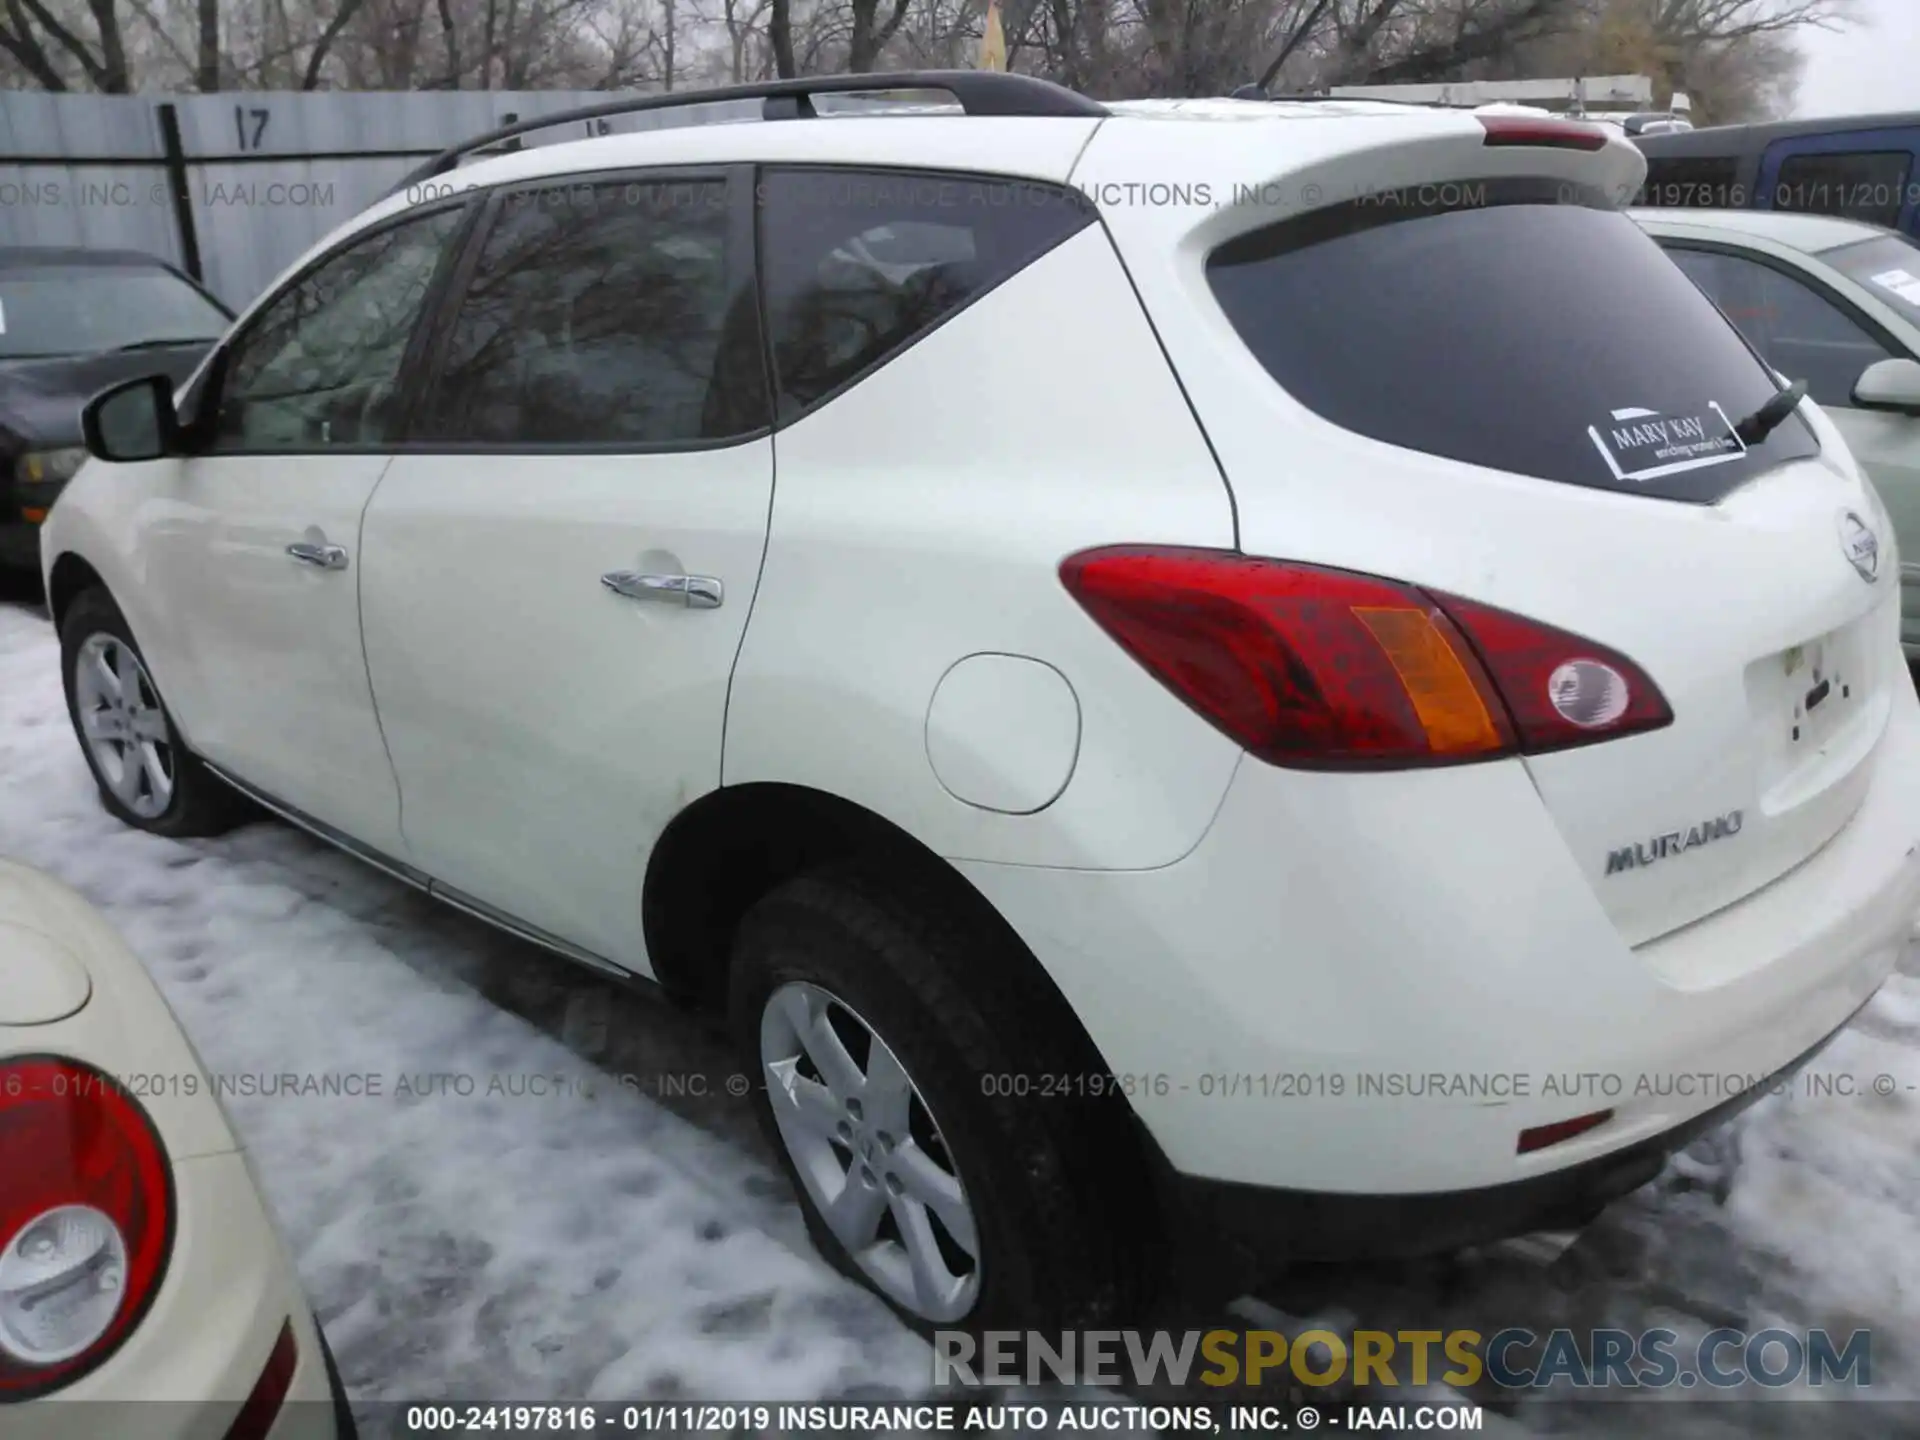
<point x="1520" y="333"/>
<point x="1694" y="182"/>
<point x="1867" y="185"/>
<point x="602" y="314"/>
<point x="858" y="264"/>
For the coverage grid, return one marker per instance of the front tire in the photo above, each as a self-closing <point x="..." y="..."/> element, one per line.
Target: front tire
<point x="925" y="1107"/>
<point x="147" y="777"/>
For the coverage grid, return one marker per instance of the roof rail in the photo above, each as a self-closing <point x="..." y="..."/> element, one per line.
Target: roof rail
<point x="978" y="92"/>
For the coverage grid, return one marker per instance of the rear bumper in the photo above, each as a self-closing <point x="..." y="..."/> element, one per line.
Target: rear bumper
<point x="1363" y="988"/>
<point x="1237" y="1233"/>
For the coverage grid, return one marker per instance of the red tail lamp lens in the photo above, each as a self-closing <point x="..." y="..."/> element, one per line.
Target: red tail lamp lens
<point x="1315" y="668"/>
<point x="86" y="1221"/>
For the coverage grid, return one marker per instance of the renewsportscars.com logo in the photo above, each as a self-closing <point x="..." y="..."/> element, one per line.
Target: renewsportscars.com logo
<point x="1511" y="1359"/>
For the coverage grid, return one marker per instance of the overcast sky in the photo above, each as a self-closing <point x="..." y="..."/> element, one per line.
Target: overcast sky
<point x="1874" y="65"/>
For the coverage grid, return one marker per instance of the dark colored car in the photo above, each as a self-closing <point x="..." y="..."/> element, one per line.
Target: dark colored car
<point x="1860" y="167"/>
<point x="73" y="322"/>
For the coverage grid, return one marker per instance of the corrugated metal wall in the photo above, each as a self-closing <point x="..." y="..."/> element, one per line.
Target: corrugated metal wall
<point x="264" y="175"/>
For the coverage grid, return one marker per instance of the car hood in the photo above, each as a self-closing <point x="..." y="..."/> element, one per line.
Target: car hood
<point x="40" y="400"/>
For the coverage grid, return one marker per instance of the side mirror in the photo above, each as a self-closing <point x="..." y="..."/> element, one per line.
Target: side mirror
<point x="1889" y="385"/>
<point x="133" y="421"/>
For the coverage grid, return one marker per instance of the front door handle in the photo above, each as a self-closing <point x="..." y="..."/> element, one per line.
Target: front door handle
<point x="326" y="557"/>
<point x="696" y="592"/>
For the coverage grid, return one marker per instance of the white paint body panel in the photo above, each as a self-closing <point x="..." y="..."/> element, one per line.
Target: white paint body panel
<point x="922" y="516"/>
<point x="544" y="729"/>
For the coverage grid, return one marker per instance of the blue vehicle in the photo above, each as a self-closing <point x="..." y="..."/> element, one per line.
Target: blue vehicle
<point x="1862" y="167"/>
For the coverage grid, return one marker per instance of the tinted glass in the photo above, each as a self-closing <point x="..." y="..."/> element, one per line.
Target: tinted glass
<point x="1803" y="334"/>
<point x="1543" y="338"/>
<point x="860" y="264"/>
<point x="1889" y="266"/>
<point x="319" y="367"/>
<point x="603" y="314"/>
<point x="1866" y="186"/>
<point x="1700" y="183"/>
<point x="83" y="309"/>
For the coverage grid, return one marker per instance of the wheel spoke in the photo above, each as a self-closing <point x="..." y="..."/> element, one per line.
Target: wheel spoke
<point x="99" y="725"/>
<point x="105" y="674"/>
<point x="927" y="1184"/>
<point x="125" y="782"/>
<point x="886" y="1093"/>
<point x="126" y="671"/>
<point x="148" y="725"/>
<point x="823" y="1045"/>
<point x="159" y="783"/>
<point x="807" y="1101"/>
<point x="933" y="1283"/>
<point x="854" y="1215"/>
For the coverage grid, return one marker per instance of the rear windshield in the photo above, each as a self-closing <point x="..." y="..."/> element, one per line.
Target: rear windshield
<point x="1889" y="266"/>
<point x="1519" y="332"/>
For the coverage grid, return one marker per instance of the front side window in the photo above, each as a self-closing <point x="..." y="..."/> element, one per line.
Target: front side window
<point x="49" y="310"/>
<point x="319" y="367"/>
<point x="1509" y="328"/>
<point x="1868" y="185"/>
<point x="1800" y="332"/>
<point x="858" y="265"/>
<point x="602" y="314"/>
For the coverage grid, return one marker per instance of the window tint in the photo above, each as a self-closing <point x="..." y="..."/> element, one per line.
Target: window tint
<point x="1866" y="186"/>
<point x="319" y="366"/>
<point x="602" y="314"/>
<point x="1696" y="182"/>
<point x="1522" y="333"/>
<point x="1802" y="334"/>
<point x="1888" y="265"/>
<point x="860" y="264"/>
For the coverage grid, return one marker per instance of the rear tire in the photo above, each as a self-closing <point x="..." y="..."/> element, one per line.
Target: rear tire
<point x="1038" y="1161"/>
<point x="146" y="775"/>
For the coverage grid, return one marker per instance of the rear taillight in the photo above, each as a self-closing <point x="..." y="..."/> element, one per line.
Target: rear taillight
<point x="1542" y="131"/>
<point x="1315" y="668"/>
<point x="86" y="1221"/>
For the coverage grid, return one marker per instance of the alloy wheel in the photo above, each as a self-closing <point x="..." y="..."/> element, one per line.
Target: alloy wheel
<point x="124" y="725"/>
<point x="870" y="1153"/>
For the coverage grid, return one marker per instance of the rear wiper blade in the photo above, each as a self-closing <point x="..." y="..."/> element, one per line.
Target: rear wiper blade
<point x="1770" y="416"/>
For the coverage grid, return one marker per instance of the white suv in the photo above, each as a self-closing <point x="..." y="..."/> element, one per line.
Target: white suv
<point x="1267" y="674"/>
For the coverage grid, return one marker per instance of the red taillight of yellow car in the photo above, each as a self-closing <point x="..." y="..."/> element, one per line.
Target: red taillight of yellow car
<point x="86" y="1221"/>
<point x="33" y="516"/>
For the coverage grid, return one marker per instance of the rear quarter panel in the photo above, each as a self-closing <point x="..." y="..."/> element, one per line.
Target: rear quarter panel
<point x="921" y="517"/>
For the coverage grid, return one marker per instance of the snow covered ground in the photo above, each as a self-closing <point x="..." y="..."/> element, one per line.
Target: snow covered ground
<point x="612" y="1226"/>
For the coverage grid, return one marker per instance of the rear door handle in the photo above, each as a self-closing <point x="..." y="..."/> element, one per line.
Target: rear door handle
<point x="326" y="557"/>
<point x="695" y="592"/>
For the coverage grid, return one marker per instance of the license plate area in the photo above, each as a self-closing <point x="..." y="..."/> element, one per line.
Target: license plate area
<point x="1806" y="699"/>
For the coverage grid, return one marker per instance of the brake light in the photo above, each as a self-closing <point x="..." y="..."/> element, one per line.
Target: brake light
<point x="1314" y="668"/>
<point x="86" y="1221"/>
<point x="1542" y="131"/>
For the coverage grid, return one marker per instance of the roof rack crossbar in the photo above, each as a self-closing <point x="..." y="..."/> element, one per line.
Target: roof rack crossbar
<point x="978" y="92"/>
